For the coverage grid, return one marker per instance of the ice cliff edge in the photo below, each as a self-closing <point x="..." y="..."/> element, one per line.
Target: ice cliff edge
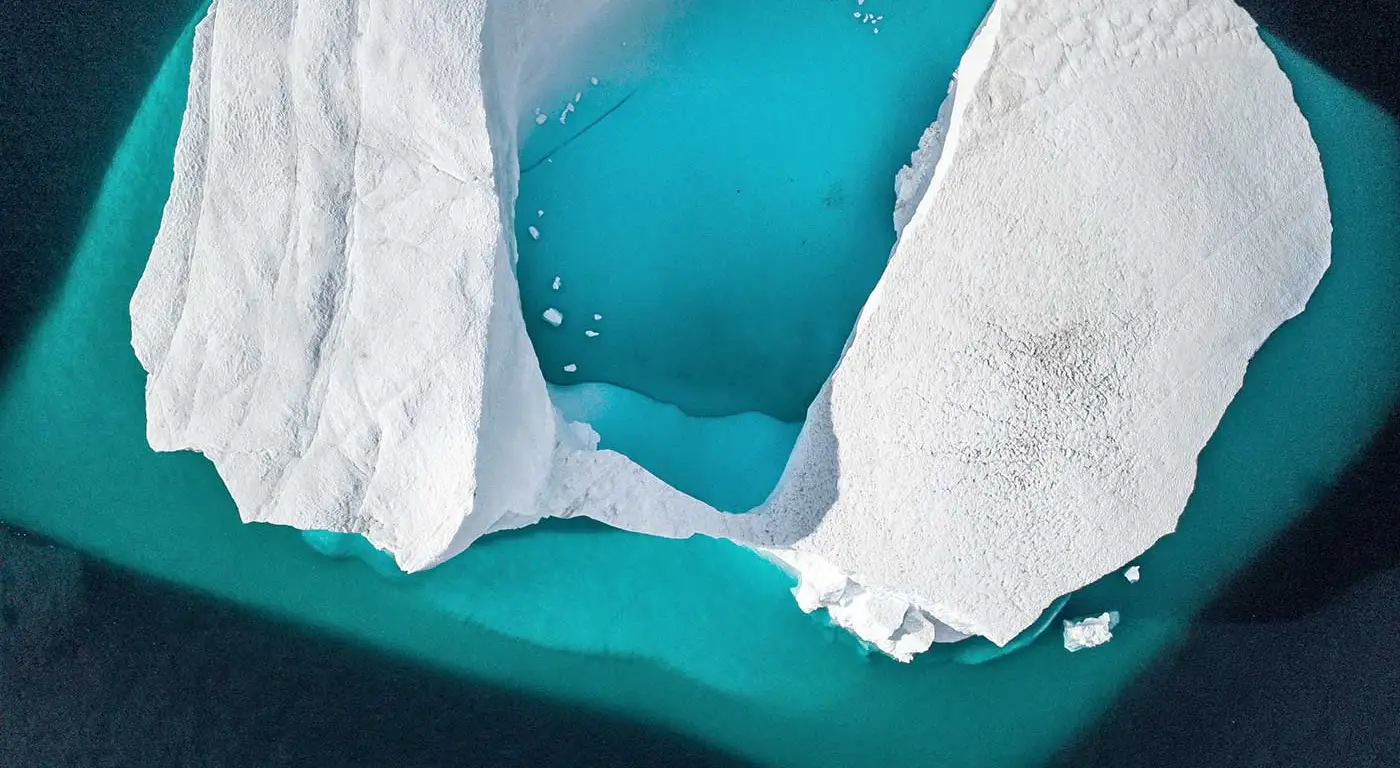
<point x="1119" y="203"/>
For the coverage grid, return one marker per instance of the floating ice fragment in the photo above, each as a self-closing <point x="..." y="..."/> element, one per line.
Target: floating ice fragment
<point x="555" y="284"/>
<point x="590" y="333"/>
<point x="578" y="96"/>
<point x="597" y="317"/>
<point x="553" y="316"/>
<point x="570" y="368"/>
<point x="540" y="212"/>
<point x="535" y="233"/>
<point x="1133" y="574"/>
<point x="593" y="80"/>
<point x="540" y="118"/>
<point x="1089" y="632"/>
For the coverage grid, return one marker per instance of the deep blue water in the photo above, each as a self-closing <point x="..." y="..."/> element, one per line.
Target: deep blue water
<point x="677" y="642"/>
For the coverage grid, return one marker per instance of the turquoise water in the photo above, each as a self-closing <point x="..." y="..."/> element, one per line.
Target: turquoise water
<point x="699" y="635"/>
<point x="730" y="218"/>
<point x="732" y="462"/>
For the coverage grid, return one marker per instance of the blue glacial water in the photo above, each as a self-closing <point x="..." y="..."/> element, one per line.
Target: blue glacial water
<point x="681" y="218"/>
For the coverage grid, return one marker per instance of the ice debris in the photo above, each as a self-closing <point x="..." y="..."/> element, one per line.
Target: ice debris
<point x="1090" y="632"/>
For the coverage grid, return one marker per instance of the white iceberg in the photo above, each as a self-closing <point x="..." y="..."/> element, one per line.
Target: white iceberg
<point x="1090" y="632"/>
<point x="1118" y="204"/>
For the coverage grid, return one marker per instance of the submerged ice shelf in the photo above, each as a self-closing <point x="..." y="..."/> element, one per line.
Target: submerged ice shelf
<point x="1095" y="237"/>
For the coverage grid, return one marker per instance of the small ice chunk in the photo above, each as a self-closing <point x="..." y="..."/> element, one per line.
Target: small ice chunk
<point x="593" y="80"/>
<point x="877" y="30"/>
<point x="555" y="284"/>
<point x="553" y="316"/>
<point x="539" y="119"/>
<point x="540" y="212"/>
<point x="1133" y="574"/>
<point x="597" y="317"/>
<point x="856" y="14"/>
<point x="578" y="96"/>
<point x="570" y="368"/>
<point x="1089" y="632"/>
<point x="535" y="233"/>
<point x="590" y="333"/>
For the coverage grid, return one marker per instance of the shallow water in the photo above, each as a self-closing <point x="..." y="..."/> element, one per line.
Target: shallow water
<point x="699" y="634"/>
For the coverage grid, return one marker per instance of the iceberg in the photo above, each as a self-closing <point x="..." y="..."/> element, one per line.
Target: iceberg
<point x="1124" y="204"/>
<point x="1117" y="204"/>
<point x="1089" y="632"/>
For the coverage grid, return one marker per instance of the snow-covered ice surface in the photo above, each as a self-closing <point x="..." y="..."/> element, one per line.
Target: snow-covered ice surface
<point x="1118" y="203"/>
<point x="321" y="227"/>
<point x="329" y="306"/>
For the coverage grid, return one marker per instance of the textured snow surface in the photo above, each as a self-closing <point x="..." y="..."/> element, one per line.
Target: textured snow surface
<point x="329" y="312"/>
<point x="1118" y="203"/>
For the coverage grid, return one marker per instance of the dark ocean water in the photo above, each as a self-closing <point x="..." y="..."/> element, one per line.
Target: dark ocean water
<point x="103" y="667"/>
<point x="72" y="74"/>
<point x="1297" y="662"/>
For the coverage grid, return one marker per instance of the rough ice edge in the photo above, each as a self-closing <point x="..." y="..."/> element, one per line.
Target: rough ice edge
<point x="911" y="181"/>
<point x="898" y="624"/>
